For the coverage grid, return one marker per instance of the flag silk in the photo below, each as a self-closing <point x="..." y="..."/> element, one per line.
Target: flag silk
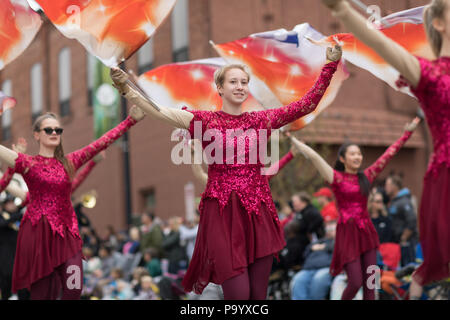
<point x="6" y="102"/>
<point x="106" y="101"/>
<point x="111" y="30"/>
<point x="19" y="24"/>
<point x="284" y="65"/>
<point x="189" y="84"/>
<point x="404" y="27"/>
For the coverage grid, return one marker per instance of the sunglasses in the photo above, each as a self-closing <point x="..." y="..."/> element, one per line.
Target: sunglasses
<point x="49" y="130"/>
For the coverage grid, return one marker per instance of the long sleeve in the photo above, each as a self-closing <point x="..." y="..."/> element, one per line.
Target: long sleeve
<point x="85" y="154"/>
<point x="273" y="170"/>
<point x="388" y="49"/>
<point x="200" y="174"/>
<point x="6" y="178"/>
<point x="374" y="170"/>
<point x="279" y="117"/>
<point x="174" y="117"/>
<point x="82" y="175"/>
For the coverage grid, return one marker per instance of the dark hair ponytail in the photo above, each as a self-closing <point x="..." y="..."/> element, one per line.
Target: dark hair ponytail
<point x="364" y="183"/>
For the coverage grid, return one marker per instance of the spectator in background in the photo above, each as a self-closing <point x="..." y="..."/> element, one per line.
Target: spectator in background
<point x="329" y="211"/>
<point x="112" y="237"/>
<point x="133" y="244"/>
<point x="188" y="234"/>
<point x="311" y="222"/>
<point x="109" y="259"/>
<point x="148" y="290"/>
<point x="175" y="253"/>
<point x="314" y="280"/>
<point x="137" y="274"/>
<point x="403" y="216"/>
<point x="152" y="235"/>
<point x="288" y="213"/>
<point x="380" y="219"/>
<point x="91" y="262"/>
<point x="152" y="263"/>
<point x="292" y="254"/>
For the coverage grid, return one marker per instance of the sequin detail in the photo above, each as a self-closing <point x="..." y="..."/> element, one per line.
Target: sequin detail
<point x="50" y="186"/>
<point x="433" y="93"/>
<point x="244" y="177"/>
<point x="351" y="202"/>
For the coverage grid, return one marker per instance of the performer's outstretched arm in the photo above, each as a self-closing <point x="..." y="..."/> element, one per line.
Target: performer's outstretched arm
<point x="174" y="117"/>
<point x="394" y="54"/>
<point x="274" y="169"/>
<point x="82" y="175"/>
<point x="80" y="157"/>
<point x="321" y="165"/>
<point x="374" y="170"/>
<point x="308" y="103"/>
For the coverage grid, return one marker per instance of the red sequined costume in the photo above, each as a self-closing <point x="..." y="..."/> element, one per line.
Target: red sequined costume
<point x="238" y="220"/>
<point x="355" y="233"/>
<point x="48" y="235"/>
<point x="434" y="214"/>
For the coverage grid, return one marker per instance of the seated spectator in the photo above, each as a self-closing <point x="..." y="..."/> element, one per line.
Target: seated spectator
<point x="329" y="211"/>
<point x="314" y="280"/>
<point x="137" y="274"/>
<point x="108" y="258"/>
<point x="291" y="255"/>
<point x="148" y="290"/>
<point x="91" y="263"/>
<point x="380" y="219"/>
<point x="152" y="263"/>
<point x="133" y="244"/>
<point x="403" y="216"/>
<point x="175" y="253"/>
<point x="188" y="235"/>
<point x="311" y="222"/>
<point x="288" y="214"/>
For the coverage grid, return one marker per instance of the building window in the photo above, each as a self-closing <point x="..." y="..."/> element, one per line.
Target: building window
<point x="91" y="64"/>
<point x="36" y="91"/>
<point x="146" y="57"/>
<point x="7" y="115"/>
<point x="65" y="84"/>
<point x="149" y="200"/>
<point x="180" y="31"/>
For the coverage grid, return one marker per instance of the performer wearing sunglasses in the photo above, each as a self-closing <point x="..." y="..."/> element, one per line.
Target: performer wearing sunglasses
<point x="48" y="255"/>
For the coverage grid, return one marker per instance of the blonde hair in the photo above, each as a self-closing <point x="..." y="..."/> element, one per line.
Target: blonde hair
<point x="435" y="9"/>
<point x="59" y="151"/>
<point x="219" y="75"/>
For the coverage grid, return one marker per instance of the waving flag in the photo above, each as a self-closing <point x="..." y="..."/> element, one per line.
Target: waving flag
<point x="6" y="102"/>
<point x="188" y="84"/>
<point x="112" y="30"/>
<point x="18" y="27"/>
<point x="405" y="28"/>
<point x="284" y="66"/>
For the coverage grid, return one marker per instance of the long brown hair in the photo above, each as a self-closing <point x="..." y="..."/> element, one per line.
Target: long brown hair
<point x="435" y="9"/>
<point x="59" y="151"/>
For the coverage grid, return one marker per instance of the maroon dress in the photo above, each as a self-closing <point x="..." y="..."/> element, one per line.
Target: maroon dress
<point x="238" y="219"/>
<point x="48" y="234"/>
<point x="433" y="93"/>
<point x="355" y="233"/>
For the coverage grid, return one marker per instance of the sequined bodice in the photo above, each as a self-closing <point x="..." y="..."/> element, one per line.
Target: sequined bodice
<point x="232" y="145"/>
<point x="433" y="93"/>
<point x="50" y="186"/>
<point x="351" y="202"/>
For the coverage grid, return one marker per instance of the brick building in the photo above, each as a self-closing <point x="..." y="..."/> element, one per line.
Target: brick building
<point x="52" y="75"/>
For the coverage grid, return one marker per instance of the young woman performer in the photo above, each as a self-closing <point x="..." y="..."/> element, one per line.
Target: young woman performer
<point x="356" y="238"/>
<point x="48" y="255"/>
<point x="239" y="231"/>
<point x="429" y="81"/>
<point x="16" y="191"/>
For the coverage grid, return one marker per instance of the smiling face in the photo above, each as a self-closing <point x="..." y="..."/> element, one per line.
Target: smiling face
<point x="234" y="89"/>
<point x="352" y="159"/>
<point x="48" y="140"/>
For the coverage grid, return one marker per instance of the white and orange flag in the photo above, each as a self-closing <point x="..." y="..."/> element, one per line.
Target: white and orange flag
<point x="404" y="27"/>
<point x="6" y="102"/>
<point x="111" y="30"/>
<point x="189" y="84"/>
<point x="19" y="24"/>
<point x="284" y="65"/>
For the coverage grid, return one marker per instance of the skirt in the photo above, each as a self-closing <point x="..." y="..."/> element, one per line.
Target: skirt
<point x="228" y="242"/>
<point x="39" y="251"/>
<point x="350" y="243"/>
<point x="434" y="228"/>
